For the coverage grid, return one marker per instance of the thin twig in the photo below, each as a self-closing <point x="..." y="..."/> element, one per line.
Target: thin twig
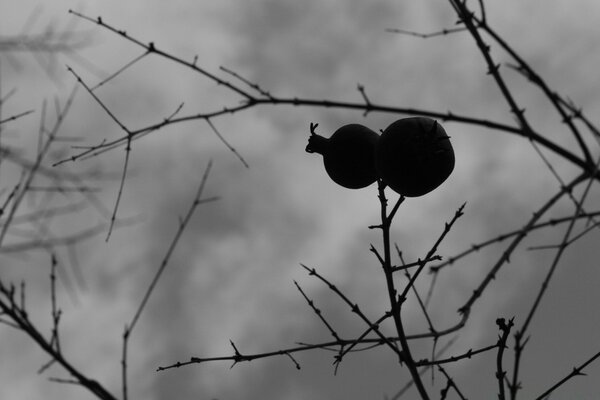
<point x="61" y="114"/>
<point x="467" y="355"/>
<point x="226" y="143"/>
<point x="119" y="71"/>
<point x="182" y="225"/>
<point x="16" y="116"/>
<point x="18" y="314"/>
<point x="505" y="257"/>
<point x="181" y="228"/>
<point x="113" y="217"/>
<point x="428" y="35"/>
<point x="576" y="372"/>
<point x="355" y="309"/>
<point x="502" y="237"/>
<point x="318" y="312"/>
<point x="447" y="227"/>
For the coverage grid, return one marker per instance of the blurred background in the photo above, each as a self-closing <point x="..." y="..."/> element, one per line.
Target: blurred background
<point x="232" y="274"/>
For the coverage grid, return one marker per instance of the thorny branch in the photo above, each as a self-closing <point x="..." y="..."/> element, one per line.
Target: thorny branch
<point x="183" y="223"/>
<point x="12" y="306"/>
<point x="264" y="97"/>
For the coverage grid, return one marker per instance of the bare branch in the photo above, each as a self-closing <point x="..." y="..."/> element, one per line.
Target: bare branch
<point x="577" y="371"/>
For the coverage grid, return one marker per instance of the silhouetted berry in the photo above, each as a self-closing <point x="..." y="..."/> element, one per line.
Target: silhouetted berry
<point x="414" y="156"/>
<point x="348" y="155"/>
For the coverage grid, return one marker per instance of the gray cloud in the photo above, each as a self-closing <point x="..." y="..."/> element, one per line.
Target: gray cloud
<point x="231" y="276"/>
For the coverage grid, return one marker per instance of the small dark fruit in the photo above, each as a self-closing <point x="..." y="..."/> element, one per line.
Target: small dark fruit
<point x="414" y="156"/>
<point x="348" y="155"/>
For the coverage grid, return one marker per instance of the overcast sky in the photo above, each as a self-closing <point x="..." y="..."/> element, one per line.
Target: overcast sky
<point x="232" y="274"/>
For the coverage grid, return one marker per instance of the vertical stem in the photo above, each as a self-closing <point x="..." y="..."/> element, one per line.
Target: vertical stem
<point x="500" y="373"/>
<point x="395" y="302"/>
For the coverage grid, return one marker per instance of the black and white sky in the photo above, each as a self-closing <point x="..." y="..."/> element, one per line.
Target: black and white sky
<point x="232" y="274"/>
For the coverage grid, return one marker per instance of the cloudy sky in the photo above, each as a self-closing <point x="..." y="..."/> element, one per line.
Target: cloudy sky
<point x="232" y="275"/>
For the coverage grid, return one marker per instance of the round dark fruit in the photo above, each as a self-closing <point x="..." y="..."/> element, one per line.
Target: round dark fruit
<point x="414" y="156"/>
<point x="348" y="155"/>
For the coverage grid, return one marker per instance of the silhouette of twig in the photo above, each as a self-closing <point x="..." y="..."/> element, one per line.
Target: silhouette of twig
<point x="13" y="307"/>
<point x="577" y="371"/>
<point x="181" y="228"/>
